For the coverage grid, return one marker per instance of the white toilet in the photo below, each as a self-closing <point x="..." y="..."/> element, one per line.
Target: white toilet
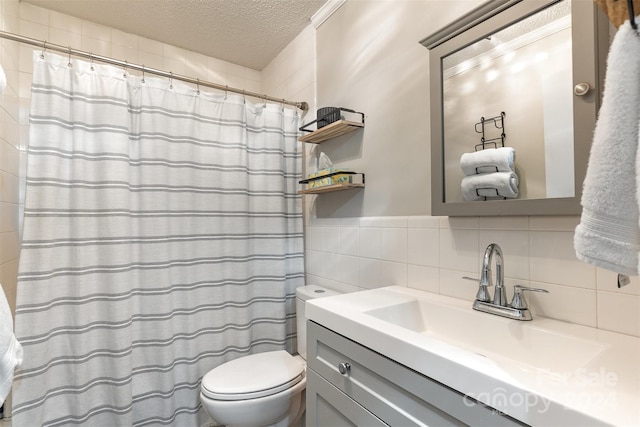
<point x="263" y="389"/>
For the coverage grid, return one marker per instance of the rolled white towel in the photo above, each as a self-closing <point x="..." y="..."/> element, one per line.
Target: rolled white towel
<point x="477" y="187"/>
<point x="486" y="161"/>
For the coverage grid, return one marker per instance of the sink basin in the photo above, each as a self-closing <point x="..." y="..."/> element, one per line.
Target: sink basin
<point x="491" y="336"/>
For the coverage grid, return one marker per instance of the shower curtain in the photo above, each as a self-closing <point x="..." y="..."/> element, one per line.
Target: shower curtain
<point x="162" y="237"/>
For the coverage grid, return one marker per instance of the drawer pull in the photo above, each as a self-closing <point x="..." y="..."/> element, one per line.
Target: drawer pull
<point x="344" y="368"/>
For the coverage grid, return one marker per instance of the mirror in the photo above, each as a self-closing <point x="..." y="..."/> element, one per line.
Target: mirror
<point x="510" y="74"/>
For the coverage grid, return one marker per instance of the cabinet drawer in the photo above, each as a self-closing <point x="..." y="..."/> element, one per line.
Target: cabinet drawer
<point x="329" y="407"/>
<point x="392" y="392"/>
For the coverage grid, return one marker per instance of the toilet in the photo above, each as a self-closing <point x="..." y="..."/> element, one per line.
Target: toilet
<point x="263" y="389"/>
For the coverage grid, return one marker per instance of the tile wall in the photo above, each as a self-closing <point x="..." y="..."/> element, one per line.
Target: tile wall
<point x="434" y="253"/>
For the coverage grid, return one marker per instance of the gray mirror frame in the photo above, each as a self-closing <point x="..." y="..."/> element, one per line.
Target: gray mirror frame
<point x="588" y="24"/>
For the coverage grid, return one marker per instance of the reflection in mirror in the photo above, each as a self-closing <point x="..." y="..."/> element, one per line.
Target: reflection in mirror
<point x="519" y="81"/>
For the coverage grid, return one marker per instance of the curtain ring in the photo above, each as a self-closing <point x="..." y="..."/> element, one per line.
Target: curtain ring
<point x="44" y="49"/>
<point x="283" y="101"/>
<point x="226" y="90"/>
<point x="265" y="101"/>
<point x="143" y="73"/>
<point x="69" y="64"/>
<point x="171" y="80"/>
<point x="91" y="57"/>
<point x="198" y="86"/>
<point x="124" y="68"/>
<point x="244" y="97"/>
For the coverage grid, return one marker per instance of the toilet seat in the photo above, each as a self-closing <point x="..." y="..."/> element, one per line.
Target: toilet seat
<point x="253" y="376"/>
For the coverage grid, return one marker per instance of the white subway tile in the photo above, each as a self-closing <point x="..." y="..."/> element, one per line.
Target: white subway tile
<point x="350" y="270"/>
<point x="567" y="303"/>
<point x="96" y="31"/>
<point x="470" y="223"/>
<point x="34" y="30"/>
<point x="370" y="270"/>
<point x="314" y="238"/>
<point x="553" y="260"/>
<point x="452" y="284"/>
<point x="65" y="22"/>
<point x="392" y="222"/>
<point x="124" y="39"/>
<point x="314" y="263"/>
<point x="423" y="278"/>
<point x="504" y="223"/>
<point x="350" y="240"/>
<point x="393" y="273"/>
<point x="608" y="281"/>
<point x="554" y="223"/>
<point x="332" y="266"/>
<point x="65" y="38"/>
<point x="459" y="250"/>
<point x="423" y="222"/>
<point x="96" y="46"/>
<point x="32" y="13"/>
<point x="370" y="221"/>
<point x="370" y="242"/>
<point x="619" y="312"/>
<point x="331" y="239"/>
<point x="393" y="244"/>
<point x="424" y="247"/>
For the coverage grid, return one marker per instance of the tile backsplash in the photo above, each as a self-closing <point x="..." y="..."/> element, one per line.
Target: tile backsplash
<point x="434" y="253"/>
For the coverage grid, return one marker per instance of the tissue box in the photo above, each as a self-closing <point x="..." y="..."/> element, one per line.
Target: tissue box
<point x="319" y="181"/>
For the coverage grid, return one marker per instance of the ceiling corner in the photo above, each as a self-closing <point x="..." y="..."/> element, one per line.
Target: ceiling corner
<point x="325" y="12"/>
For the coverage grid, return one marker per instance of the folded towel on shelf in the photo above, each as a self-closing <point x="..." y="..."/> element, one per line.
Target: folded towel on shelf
<point x="10" y="349"/>
<point x="489" y="160"/>
<point x="608" y="235"/>
<point x="497" y="184"/>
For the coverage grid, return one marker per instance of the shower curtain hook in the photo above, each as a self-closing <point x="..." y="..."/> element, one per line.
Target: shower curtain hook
<point x="142" y="73"/>
<point x="91" y="57"/>
<point x="126" y="64"/>
<point x="171" y="80"/>
<point x="198" y="86"/>
<point x="265" y="101"/>
<point x="244" y="96"/>
<point x="283" y="101"/>
<point x="69" y="64"/>
<point x="226" y="90"/>
<point x="44" y="49"/>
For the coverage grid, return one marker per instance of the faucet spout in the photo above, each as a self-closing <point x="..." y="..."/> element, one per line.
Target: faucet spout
<point x="500" y="295"/>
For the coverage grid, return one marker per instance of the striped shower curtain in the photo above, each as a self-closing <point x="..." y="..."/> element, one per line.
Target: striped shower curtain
<point x="162" y="237"/>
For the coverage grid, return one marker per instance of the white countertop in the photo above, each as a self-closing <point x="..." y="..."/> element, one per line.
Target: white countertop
<point x="600" y="386"/>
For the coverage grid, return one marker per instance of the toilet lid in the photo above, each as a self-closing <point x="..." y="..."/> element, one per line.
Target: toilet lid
<point x="253" y="376"/>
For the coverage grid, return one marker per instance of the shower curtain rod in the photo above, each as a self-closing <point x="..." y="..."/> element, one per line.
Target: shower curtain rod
<point x="83" y="54"/>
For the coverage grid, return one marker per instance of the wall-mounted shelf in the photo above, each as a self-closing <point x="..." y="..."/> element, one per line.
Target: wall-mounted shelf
<point x="356" y="176"/>
<point x="330" y="188"/>
<point x="330" y="131"/>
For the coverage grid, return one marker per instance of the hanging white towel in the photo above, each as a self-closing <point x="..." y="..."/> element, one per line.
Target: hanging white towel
<point x="608" y="235"/>
<point x="10" y="349"/>
<point x="497" y="184"/>
<point x="490" y="160"/>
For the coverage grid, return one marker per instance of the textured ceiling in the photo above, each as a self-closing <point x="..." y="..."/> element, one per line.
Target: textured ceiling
<point x="245" y="32"/>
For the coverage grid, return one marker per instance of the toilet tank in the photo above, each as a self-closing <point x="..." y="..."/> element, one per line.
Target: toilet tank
<point x="304" y="293"/>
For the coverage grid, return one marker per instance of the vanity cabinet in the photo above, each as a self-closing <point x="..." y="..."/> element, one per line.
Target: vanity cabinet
<point x="376" y="391"/>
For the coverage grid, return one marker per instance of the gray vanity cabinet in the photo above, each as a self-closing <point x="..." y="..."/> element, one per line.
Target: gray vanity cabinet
<point x="376" y="391"/>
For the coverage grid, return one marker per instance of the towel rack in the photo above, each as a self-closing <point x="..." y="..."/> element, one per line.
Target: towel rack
<point x="632" y="15"/>
<point x="498" y="123"/>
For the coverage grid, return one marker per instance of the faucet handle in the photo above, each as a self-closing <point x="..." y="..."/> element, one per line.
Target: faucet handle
<point x="518" y="300"/>
<point x="483" y="292"/>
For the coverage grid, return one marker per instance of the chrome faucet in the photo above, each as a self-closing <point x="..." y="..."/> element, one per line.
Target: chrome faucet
<point x="518" y="308"/>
